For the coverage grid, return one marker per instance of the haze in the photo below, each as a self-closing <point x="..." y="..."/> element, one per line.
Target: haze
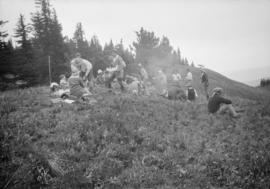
<point x="226" y="36"/>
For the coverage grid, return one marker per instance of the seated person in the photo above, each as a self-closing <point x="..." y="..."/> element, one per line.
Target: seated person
<point x="176" y="93"/>
<point x="217" y="103"/>
<point x="76" y="85"/>
<point x="191" y="93"/>
<point x="63" y="82"/>
<point x="100" y="77"/>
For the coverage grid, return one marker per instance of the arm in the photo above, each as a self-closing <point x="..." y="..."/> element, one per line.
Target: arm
<point x="81" y="82"/>
<point x="88" y="66"/>
<point x="224" y="100"/>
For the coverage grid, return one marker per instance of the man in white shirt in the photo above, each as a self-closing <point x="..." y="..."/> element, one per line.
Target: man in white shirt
<point x="117" y="70"/>
<point x="85" y="67"/>
<point x="189" y="78"/>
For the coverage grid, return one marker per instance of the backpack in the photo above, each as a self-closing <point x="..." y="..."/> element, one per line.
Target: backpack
<point x="191" y="94"/>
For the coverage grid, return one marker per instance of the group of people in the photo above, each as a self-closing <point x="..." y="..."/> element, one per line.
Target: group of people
<point x="82" y="81"/>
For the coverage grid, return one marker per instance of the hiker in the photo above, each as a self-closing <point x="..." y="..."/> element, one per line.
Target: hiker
<point x="204" y="81"/>
<point x="76" y="84"/>
<point x="217" y="103"/>
<point x="161" y="83"/>
<point x="85" y="68"/>
<point x="117" y="71"/>
<point x="176" y="93"/>
<point x="143" y="87"/>
<point x="189" y="78"/>
<point x="143" y="73"/>
<point x="100" y="77"/>
<point x="191" y="93"/>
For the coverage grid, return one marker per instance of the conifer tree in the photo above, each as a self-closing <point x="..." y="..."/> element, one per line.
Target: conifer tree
<point x="48" y="41"/>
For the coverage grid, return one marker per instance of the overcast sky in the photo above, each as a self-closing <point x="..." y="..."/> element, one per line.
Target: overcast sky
<point x="224" y="35"/>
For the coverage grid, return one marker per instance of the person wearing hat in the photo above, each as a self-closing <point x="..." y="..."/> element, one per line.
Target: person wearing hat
<point x="218" y="104"/>
<point x="205" y="82"/>
<point x="117" y="70"/>
<point x="85" y="68"/>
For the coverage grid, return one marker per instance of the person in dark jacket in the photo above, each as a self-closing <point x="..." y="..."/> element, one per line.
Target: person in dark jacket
<point x="205" y="82"/>
<point x="218" y="104"/>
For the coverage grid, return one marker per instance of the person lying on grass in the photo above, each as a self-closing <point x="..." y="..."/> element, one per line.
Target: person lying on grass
<point x="76" y="85"/>
<point x="218" y="104"/>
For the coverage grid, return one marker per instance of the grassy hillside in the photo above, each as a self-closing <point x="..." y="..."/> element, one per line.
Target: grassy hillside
<point x="126" y="141"/>
<point x="231" y="87"/>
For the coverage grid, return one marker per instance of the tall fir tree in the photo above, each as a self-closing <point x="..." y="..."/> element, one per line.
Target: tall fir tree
<point x="48" y="41"/>
<point x="23" y="59"/>
<point x="82" y="45"/>
<point x="6" y="50"/>
<point x="145" y="46"/>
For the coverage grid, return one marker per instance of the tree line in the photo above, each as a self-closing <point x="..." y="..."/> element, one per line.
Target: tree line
<point x="43" y="37"/>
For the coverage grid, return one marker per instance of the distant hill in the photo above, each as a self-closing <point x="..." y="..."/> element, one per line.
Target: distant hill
<point x="231" y="87"/>
<point x="250" y="76"/>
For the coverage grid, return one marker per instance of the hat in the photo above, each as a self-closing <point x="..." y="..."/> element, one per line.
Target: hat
<point x="217" y="90"/>
<point x="53" y="84"/>
<point x="62" y="76"/>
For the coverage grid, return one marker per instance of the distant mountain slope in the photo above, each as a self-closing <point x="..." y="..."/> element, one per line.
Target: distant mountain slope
<point x="231" y="87"/>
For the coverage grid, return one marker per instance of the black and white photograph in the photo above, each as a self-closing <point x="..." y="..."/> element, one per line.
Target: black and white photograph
<point x="134" y="94"/>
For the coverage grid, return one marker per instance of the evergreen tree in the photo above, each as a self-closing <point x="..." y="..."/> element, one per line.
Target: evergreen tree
<point x="124" y="53"/>
<point x="165" y="47"/>
<point x="3" y="35"/>
<point x="48" y="41"/>
<point x="96" y="55"/>
<point x="6" y="50"/>
<point x="145" y="46"/>
<point x="23" y="59"/>
<point x="82" y="45"/>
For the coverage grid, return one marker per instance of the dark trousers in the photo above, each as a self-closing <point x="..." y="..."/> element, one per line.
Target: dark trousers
<point x="119" y="79"/>
<point x="206" y="91"/>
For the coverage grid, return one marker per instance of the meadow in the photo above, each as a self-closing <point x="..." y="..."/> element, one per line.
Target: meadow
<point x="128" y="141"/>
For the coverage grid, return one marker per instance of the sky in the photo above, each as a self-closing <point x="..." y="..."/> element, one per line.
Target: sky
<point x="228" y="36"/>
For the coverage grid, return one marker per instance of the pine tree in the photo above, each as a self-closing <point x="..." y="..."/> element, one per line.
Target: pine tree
<point x="145" y="46"/>
<point x="3" y="35"/>
<point x="82" y="45"/>
<point x="48" y="41"/>
<point x="6" y="50"/>
<point x="23" y="59"/>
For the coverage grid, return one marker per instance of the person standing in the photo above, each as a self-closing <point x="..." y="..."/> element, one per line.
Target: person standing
<point x="117" y="70"/>
<point x="161" y="83"/>
<point x="189" y="78"/>
<point x="205" y="82"/>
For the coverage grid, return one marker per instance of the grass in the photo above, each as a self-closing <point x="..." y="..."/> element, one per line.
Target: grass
<point x="127" y="141"/>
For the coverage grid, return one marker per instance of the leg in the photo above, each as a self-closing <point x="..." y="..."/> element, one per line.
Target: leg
<point x="120" y="81"/>
<point x="206" y="91"/>
<point x="229" y="108"/>
<point x="109" y="81"/>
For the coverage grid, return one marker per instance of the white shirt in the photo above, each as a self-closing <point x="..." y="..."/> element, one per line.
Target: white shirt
<point x="189" y="76"/>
